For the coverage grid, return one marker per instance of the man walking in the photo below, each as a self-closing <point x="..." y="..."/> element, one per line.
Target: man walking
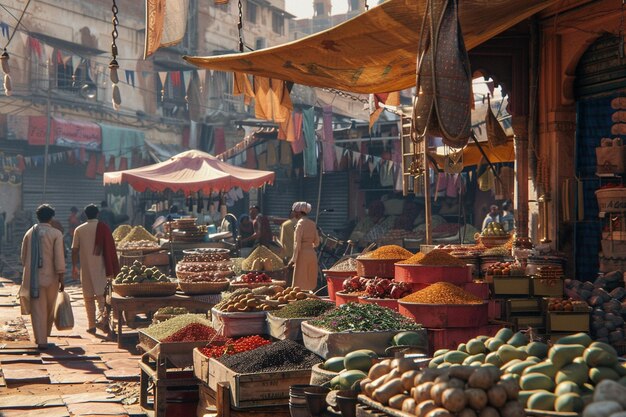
<point x="94" y="248"/>
<point x="43" y="258"/>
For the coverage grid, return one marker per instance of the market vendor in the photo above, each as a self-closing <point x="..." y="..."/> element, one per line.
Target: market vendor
<point x="306" y="239"/>
<point x="372" y="227"/>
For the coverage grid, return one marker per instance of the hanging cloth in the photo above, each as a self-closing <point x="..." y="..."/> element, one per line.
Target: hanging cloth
<point x="297" y="146"/>
<point x="495" y="134"/>
<point x="262" y="102"/>
<point x="330" y="157"/>
<point x="310" y="150"/>
<point x="281" y="101"/>
<point x="242" y="85"/>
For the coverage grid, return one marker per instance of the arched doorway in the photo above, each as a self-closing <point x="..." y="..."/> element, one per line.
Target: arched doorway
<point x="600" y="78"/>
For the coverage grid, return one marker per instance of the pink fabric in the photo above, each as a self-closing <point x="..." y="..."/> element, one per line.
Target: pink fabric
<point x="190" y="171"/>
<point x="297" y="146"/>
<point x="329" y="140"/>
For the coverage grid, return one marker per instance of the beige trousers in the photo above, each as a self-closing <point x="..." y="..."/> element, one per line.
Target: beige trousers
<point x="42" y="312"/>
<point x="90" y="307"/>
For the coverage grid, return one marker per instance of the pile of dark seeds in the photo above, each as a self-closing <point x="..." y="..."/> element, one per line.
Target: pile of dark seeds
<point x="285" y="355"/>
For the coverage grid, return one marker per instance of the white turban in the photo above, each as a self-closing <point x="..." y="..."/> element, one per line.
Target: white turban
<point x="301" y="207"/>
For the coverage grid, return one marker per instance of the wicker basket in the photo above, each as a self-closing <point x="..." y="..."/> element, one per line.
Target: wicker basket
<point x="237" y="285"/>
<point x="494" y="241"/>
<point x="278" y="275"/>
<point x="150" y="289"/>
<point x="194" y="288"/>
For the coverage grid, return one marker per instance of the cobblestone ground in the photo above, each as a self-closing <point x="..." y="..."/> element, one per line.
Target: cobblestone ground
<point x="81" y="375"/>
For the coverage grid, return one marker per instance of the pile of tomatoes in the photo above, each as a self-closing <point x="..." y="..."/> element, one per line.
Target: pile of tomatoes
<point x="233" y="346"/>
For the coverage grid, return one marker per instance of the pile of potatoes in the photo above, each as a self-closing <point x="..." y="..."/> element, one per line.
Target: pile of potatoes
<point x="244" y="303"/>
<point x="561" y="378"/>
<point x="609" y="400"/>
<point x="289" y="294"/>
<point x="462" y="391"/>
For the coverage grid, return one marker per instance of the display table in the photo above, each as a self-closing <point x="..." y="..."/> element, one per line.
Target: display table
<point x="120" y="304"/>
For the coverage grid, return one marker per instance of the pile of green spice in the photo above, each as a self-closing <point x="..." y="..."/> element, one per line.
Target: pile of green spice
<point x="162" y="330"/>
<point x="172" y="310"/>
<point x="285" y="355"/>
<point x="353" y="317"/>
<point x="303" y="308"/>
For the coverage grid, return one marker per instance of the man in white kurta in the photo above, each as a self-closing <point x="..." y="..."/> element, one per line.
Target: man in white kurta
<point x="306" y="239"/>
<point x="51" y="273"/>
<point x="92" y="269"/>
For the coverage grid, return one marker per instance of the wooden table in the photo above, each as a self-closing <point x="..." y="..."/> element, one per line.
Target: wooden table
<point x="120" y="304"/>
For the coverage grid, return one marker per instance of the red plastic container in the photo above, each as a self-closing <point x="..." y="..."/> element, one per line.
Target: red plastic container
<point x="479" y="289"/>
<point x="450" y="338"/>
<point x="391" y="303"/>
<point x="334" y="281"/>
<point x="424" y="274"/>
<point x="445" y="315"/>
<point x="345" y="297"/>
<point x="370" y="268"/>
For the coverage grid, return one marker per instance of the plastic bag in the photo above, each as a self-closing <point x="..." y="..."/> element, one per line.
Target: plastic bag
<point x="63" y="315"/>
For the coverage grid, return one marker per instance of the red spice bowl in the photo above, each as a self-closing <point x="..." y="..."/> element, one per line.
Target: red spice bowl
<point x="391" y="303"/>
<point x="335" y="279"/>
<point x="446" y="315"/>
<point x="346" y="297"/>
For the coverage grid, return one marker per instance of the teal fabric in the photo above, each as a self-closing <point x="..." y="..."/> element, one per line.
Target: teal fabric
<point x="310" y="150"/>
<point x="121" y="141"/>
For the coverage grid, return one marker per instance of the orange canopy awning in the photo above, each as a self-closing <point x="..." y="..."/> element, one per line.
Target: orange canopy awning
<point x="373" y="52"/>
<point x="189" y="172"/>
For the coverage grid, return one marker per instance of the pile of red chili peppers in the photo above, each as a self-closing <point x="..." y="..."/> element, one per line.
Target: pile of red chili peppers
<point x="233" y="346"/>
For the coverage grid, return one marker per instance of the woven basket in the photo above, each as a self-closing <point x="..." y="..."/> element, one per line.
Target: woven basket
<point x="193" y="288"/>
<point x="278" y="275"/>
<point x="151" y="289"/>
<point x="237" y="285"/>
<point x="493" y="241"/>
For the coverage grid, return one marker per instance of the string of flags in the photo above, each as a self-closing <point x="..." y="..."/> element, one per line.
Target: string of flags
<point x="96" y="70"/>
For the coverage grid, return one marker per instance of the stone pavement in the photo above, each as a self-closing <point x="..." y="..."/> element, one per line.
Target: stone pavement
<point x="82" y="375"/>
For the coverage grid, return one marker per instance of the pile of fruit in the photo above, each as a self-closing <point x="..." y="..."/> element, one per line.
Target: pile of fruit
<point x="609" y="400"/>
<point x="232" y="346"/>
<point x="203" y="266"/>
<point x="289" y="294"/>
<point x="253" y="278"/>
<point x="386" y="288"/>
<point x="462" y="391"/>
<point x="560" y="378"/>
<point x="243" y="303"/>
<point x="354" y="284"/>
<point x="494" y="229"/>
<point x="137" y="273"/>
<point x="558" y="304"/>
<point x="605" y="296"/>
<point x="506" y="269"/>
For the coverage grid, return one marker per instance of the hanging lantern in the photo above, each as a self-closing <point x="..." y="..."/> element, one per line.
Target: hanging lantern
<point x="116" y="98"/>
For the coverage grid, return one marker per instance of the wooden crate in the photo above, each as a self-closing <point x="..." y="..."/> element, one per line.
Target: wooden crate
<point x="200" y="366"/>
<point x="507" y="285"/>
<point x="567" y="321"/>
<point x="542" y="287"/>
<point x="524" y="322"/>
<point x="522" y="305"/>
<point x="217" y="403"/>
<point x="554" y="337"/>
<point x="256" y="390"/>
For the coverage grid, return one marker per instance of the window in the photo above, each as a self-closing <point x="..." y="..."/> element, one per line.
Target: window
<point x="171" y="97"/>
<point x="278" y="23"/>
<point x="259" y="44"/>
<point x="251" y="11"/>
<point x="354" y="5"/>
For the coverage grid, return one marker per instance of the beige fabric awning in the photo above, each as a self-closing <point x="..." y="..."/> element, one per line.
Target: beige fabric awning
<point x="373" y="52"/>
